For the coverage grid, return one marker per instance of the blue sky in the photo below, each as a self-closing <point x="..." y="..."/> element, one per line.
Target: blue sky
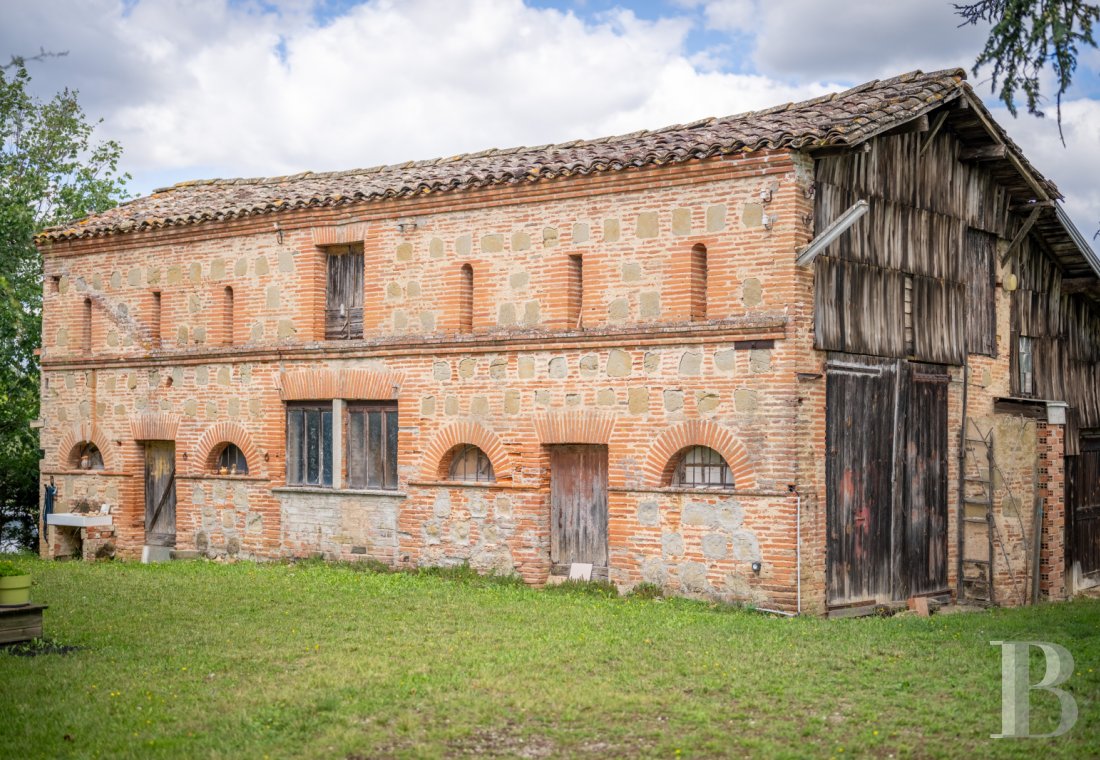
<point x="202" y="88"/>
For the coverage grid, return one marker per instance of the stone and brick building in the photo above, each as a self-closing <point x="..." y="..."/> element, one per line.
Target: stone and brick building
<point x="635" y="352"/>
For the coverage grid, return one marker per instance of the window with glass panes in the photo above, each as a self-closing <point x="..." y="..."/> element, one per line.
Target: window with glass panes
<point x="702" y="467"/>
<point x="371" y="434"/>
<point x="309" y="444"/>
<point x="232" y="460"/>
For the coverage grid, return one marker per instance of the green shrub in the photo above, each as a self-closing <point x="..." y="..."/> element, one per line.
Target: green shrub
<point x="647" y="591"/>
<point x="9" y="569"/>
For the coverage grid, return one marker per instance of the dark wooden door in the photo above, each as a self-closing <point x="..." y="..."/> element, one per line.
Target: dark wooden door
<point x="578" y="507"/>
<point x="1083" y="509"/>
<point x="860" y="407"/>
<point x="924" y="486"/>
<point x="160" y="493"/>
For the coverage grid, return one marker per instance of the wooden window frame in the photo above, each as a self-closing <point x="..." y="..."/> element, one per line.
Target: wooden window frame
<point x="684" y="469"/>
<point x="483" y="467"/>
<point x="358" y="474"/>
<point x="1025" y="388"/>
<point x="230" y="456"/>
<point x="352" y="327"/>
<point x="301" y="459"/>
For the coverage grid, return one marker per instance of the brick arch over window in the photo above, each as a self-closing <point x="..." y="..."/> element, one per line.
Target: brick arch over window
<point x="437" y="458"/>
<point x="213" y="441"/>
<point x="155" y="427"/>
<point x="352" y="384"/>
<point x="665" y="451"/>
<point x="86" y="432"/>
<point x="574" y="427"/>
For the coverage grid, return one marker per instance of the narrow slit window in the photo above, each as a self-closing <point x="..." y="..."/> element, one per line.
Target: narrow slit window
<point x="698" y="279"/>
<point x="575" y="292"/>
<point x="344" y="293"/>
<point x="154" y="318"/>
<point x="466" y="299"/>
<point x="227" y="316"/>
<point x="1026" y="363"/>
<point x="86" y="327"/>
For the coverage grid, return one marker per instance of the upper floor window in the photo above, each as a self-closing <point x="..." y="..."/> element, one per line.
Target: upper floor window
<point x="232" y="461"/>
<point x="702" y="467"/>
<point x="468" y="462"/>
<point x="86" y="327"/>
<point x="697" y="276"/>
<point x="574" y="285"/>
<point x="309" y="444"/>
<point x="344" y="292"/>
<point x="227" y="316"/>
<point x="466" y="299"/>
<point x="1026" y="365"/>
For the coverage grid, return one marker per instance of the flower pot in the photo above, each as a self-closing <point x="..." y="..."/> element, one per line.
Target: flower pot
<point x="15" y="590"/>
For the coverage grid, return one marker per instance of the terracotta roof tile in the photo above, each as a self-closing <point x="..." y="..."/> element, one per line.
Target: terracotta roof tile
<point x="845" y="118"/>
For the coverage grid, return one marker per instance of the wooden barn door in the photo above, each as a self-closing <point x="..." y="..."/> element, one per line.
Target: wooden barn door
<point x="924" y="494"/>
<point x="1083" y="510"/>
<point x="859" y="461"/>
<point x="578" y="507"/>
<point x="886" y="479"/>
<point x="160" y="493"/>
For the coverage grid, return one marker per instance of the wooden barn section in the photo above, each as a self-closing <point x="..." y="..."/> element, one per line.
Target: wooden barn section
<point x="961" y="298"/>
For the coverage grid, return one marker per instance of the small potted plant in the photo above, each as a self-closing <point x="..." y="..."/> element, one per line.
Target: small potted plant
<point x="15" y="585"/>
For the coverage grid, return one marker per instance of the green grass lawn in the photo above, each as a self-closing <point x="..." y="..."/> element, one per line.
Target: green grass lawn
<point x="196" y="659"/>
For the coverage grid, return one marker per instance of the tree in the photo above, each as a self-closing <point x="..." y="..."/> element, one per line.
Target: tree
<point x="50" y="171"/>
<point x="1027" y="36"/>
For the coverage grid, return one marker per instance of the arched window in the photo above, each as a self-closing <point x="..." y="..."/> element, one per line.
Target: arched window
<point x="698" y="280"/>
<point x="231" y="461"/>
<point x="466" y="299"/>
<point x="702" y="467"/>
<point x="86" y="456"/>
<point x="468" y="462"/>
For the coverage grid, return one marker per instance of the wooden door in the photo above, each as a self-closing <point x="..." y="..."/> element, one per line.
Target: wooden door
<point x="578" y="507"/>
<point x="860" y="394"/>
<point x="1083" y="510"/>
<point x="160" y="493"/>
<point x="924" y="484"/>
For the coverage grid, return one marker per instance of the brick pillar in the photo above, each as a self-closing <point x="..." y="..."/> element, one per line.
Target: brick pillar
<point x="1052" y="490"/>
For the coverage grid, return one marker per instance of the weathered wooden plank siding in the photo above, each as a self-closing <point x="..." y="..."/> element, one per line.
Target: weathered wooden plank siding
<point x="1065" y="332"/>
<point x="931" y="229"/>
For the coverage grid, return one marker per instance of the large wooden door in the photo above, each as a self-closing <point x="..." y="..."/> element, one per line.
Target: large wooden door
<point x="1083" y="510"/>
<point x="160" y="493"/>
<point x="578" y="507"/>
<point x="886" y="479"/>
<point x="924" y="496"/>
<point x="859" y="459"/>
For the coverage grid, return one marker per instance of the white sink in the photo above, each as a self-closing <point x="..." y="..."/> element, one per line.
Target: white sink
<point x="77" y="520"/>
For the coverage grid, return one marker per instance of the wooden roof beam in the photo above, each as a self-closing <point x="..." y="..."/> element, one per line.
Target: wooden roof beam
<point x="1028" y="223"/>
<point x="934" y="130"/>
<point x="984" y="153"/>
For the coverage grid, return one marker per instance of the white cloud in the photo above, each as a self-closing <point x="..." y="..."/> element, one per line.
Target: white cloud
<point x="199" y="87"/>
<point x="856" y="41"/>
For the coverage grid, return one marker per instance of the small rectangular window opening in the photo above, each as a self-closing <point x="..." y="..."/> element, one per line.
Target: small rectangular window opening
<point x="154" y="318"/>
<point x="1026" y="365"/>
<point x="86" y="327"/>
<point x="344" y="293"/>
<point x="466" y="299"/>
<point x="575" y="292"/>
<point x="698" y="279"/>
<point x="227" y="317"/>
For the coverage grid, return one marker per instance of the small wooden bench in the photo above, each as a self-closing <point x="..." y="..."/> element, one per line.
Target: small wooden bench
<point x="21" y="623"/>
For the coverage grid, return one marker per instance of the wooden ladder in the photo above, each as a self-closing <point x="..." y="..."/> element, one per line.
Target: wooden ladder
<point x="976" y="541"/>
